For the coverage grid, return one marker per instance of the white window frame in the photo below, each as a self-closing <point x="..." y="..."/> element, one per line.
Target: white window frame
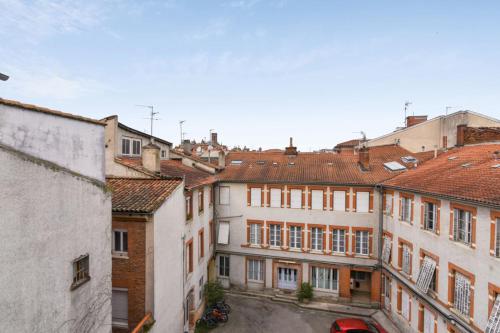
<point x="255" y="196"/>
<point x="295" y="233"/>
<point x="255" y="270"/>
<point x="275" y="202"/>
<point x="362" y="202"/>
<point x="324" y="278"/>
<point x="295" y="203"/>
<point x="405" y="305"/>
<point x="227" y="199"/>
<point x="121" y="250"/>
<point x="255" y="234"/>
<point x="362" y="243"/>
<point x="406" y="209"/>
<point x="317" y="202"/>
<point x="338" y="241"/>
<point x="388" y="203"/>
<point x="131" y="144"/>
<point x="339" y="198"/>
<point x="317" y="239"/>
<point x="430" y="218"/>
<point x="224" y="266"/>
<point x="462" y="295"/>
<point x="223" y="236"/>
<point x="275" y="235"/>
<point x="386" y="285"/>
<point x="81" y="271"/>
<point x="406" y="260"/>
<point x="462" y="226"/>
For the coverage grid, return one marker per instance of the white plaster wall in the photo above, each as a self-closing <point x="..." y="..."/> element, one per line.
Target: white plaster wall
<point x="49" y="218"/>
<point x="477" y="261"/>
<point x="237" y="213"/>
<point x="168" y="270"/>
<point x="73" y="144"/>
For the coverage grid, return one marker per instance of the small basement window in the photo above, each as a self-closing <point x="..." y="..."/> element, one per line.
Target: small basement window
<point x="81" y="272"/>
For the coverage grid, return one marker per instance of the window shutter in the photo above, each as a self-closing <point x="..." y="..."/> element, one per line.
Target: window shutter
<point x="428" y="321"/>
<point x="275" y="197"/>
<point x="462" y="294"/>
<point x="362" y="202"/>
<point x="119" y="306"/>
<point x="456" y="217"/>
<point x="339" y="201"/>
<point x="317" y="199"/>
<point x="494" y="321"/>
<point x="224" y="195"/>
<point x="386" y="253"/>
<point x="295" y="198"/>
<point x="405" y="309"/>
<point x="256" y="196"/>
<point x="223" y="233"/>
<point x="426" y="273"/>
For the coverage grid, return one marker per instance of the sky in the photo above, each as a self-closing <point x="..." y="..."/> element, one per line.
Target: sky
<point x="255" y="71"/>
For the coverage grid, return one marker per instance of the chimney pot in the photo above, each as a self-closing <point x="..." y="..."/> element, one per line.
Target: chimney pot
<point x="151" y="157"/>
<point x="364" y="158"/>
<point x="291" y="150"/>
<point x="414" y="120"/>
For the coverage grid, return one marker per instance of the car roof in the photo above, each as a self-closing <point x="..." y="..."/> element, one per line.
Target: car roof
<point x="351" y="323"/>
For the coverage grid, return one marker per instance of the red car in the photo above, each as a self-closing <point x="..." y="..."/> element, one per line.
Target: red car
<point x="355" y="325"/>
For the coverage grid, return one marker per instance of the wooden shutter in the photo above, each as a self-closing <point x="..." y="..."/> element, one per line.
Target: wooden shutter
<point x="295" y="198"/>
<point x="362" y="202"/>
<point x="275" y="194"/>
<point x="256" y="196"/>
<point x="339" y="203"/>
<point x="317" y="199"/>
<point x="426" y="273"/>
<point x="494" y="321"/>
<point x="224" y="195"/>
<point x="386" y="253"/>
<point x="223" y="233"/>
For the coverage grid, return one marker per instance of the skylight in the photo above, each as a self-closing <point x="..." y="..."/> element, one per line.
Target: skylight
<point x="452" y="158"/>
<point x="394" y="166"/>
<point x="236" y="162"/>
<point x="466" y="165"/>
<point x="409" y="159"/>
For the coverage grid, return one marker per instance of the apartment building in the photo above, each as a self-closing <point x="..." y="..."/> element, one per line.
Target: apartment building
<point x="441" y="243"/>
<point x="190" y="220"/>
<point x="56" y="222"/>
<point x="439" y="133"/>
<point x="291" y="217"/>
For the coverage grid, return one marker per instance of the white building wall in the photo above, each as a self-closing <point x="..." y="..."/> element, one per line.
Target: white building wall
<point x="478" y="261"/>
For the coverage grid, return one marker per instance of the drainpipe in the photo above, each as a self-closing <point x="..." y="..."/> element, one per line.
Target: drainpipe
<point x="183" y="239"/>
<point x="380" y="190"/>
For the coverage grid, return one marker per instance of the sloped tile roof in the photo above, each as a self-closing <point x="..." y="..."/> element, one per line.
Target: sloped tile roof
<point x="312" y="168"/>
<point x="140" y="195"/>
<point x="466" y="173"/>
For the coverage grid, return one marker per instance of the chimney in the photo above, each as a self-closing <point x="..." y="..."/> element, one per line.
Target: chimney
<point x="222" y="158"/>
<point x="151" y="157"/>
<point x="291" y="150"/>
<point x="461" y="135"/>
<point x="364" y="158"/>
<point x="414" y="120"/>
<point x="187" y="147"/>
<point x="213" y="139"/>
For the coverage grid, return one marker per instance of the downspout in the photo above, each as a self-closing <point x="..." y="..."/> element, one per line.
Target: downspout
<point x="380" y="190"/>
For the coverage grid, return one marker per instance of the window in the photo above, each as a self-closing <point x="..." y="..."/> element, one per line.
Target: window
<point x="406" y="259"/>
<point x="295" y="237"/>
<point x="224" y="266"/>
<point x="189" y="253"/>
<point x="295" y="198"/>
<point x="131" y="146"/>
<point x="201" y="242"/>
<point x="255" y="197"/>
<point x="405" y="305"/>
<point x="275" y="197"/>
<point x="200" y="288"/>
<point x="223" y="238"/>
<point x="362" y="202"/>
<point x="494" y="321"/>
<point x="386" y="291"/>
<point x="339" y="203"/>
<point x="462" y="294"/>
<point x="338" y="241"/>
<point x="255" y="270"/>
<point x="189" y="206"/>
<point x="317" y="199"/>
<point x="163" y="153"/>
<point x="317" y="239"/>
<point x="80" y="271"/>
<point x="119" y="306"/>
<point x="388" y="204"/>
<point x="405" y="213"/>
<point x="429" y="319"/>
<point x="462" y="226"/>
<point x="120" y="242"/>
<point x="275" y="235"/>
<point x="358" y="275"/>
<point x="497" y="246"/>
<point x="324" y="278"/>
<point x="255" y="234"/>
<point x="201" y="201"/>
<point x="427" y="274"/>
<point x="387" y="249"/>
<point x="224" y="195"/>
<point x="362" y="243"/>
<point x="430" y="216"/>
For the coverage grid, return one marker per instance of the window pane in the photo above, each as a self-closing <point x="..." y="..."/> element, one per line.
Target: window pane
<point x="125" y="146"/>
<point x="117" y="241"/>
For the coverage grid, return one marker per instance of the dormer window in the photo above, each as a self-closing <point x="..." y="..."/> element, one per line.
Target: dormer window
<point x="131" y="147"/>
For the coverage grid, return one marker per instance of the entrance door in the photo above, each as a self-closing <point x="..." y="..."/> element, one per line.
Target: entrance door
<point x="287" y="278"/>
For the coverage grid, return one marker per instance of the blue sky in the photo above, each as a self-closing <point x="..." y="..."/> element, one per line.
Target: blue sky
<point x="256" y="71"/>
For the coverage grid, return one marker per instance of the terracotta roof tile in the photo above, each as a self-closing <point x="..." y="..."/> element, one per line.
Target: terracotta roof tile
<point x="140" y="195"/>
<point x="312" y="168"/>
<point x="466" y="173"/>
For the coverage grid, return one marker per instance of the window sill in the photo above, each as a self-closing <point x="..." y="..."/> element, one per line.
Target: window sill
<point x="120" y="256"/>
<point x="78" y="284"/>
<point x="295" y="249"/>
<point x="256" y="281"/>
<point x="255" y="246"/>
<point x="342" y="254"/>
<point x="430" y="232"/>
<point x="317" y="252"/>
<point x="119" y="324"/>
<point x="460" y="315"/>
<point x="275" y="247"/>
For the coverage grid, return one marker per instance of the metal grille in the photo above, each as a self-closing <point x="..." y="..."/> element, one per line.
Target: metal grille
<point x="386" y="252"/>
<point x="494" y="321"/>
<point x="462" y="294"/>
<point x="406" y="262"/>
<point x="426" y="274"/>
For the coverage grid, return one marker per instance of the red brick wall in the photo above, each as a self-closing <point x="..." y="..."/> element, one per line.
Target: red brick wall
<point x="131" y="273"/>
<point x="471" y="135"/>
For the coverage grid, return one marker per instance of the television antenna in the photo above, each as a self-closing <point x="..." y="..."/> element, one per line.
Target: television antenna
<point x="152" y="115"/>
<point x="182" y="133"/>
<point x="407" y="105"/>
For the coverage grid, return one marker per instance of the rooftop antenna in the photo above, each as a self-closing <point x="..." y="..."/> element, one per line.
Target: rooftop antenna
<point x="152" y="116"/>
<point x="182" y="133"/>
<point x="407" y="105"/>
<point x="3" y="77"/>
<point x="363" y="134"/>
<point x="447" y="109"/>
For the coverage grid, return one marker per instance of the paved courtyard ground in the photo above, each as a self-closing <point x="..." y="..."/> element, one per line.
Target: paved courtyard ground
<point x="252" y="315"/>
